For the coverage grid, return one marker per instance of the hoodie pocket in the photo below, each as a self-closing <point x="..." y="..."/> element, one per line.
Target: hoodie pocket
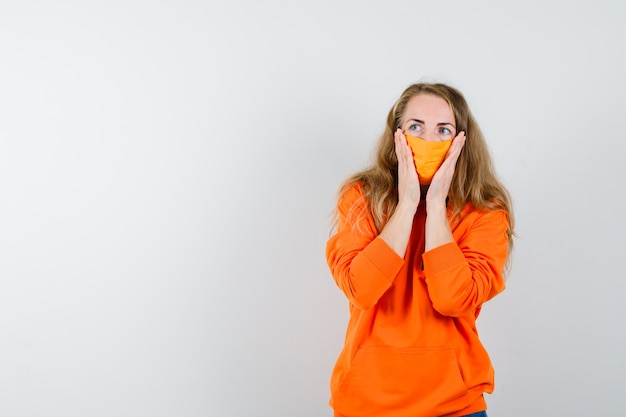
<point x="400" y="382"/>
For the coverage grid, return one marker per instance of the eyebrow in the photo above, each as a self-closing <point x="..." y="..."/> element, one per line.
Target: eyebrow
<point x="438" y="124"/>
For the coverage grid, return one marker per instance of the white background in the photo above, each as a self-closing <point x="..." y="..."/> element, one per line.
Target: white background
<point x="167" y="171"/>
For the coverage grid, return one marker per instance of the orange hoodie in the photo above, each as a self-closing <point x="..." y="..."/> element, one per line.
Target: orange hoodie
<point x="411" y="346"/>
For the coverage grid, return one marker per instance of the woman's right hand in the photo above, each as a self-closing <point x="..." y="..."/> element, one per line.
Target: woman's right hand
<point x="408" y="183"/>
<point x="397" y="231"/>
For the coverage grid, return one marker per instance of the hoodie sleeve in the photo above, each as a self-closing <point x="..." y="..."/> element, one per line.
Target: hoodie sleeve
<point x="464" y="274"/>
<point x="361" y="263"/>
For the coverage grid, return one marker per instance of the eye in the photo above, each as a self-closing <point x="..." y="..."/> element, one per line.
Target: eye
<point x="445" y="131"/>
<point x="415" y="128"/>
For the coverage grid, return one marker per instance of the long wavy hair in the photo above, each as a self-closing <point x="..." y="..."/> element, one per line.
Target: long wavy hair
<point x="474" y="179"/>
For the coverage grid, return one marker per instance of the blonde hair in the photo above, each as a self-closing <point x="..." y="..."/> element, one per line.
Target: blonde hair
<point x="474" y="179"/>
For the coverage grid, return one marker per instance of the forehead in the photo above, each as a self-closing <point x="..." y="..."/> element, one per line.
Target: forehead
<point x="429" y="108"/>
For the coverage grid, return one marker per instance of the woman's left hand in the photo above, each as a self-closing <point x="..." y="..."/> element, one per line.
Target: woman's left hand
<point x="440" y="185"/>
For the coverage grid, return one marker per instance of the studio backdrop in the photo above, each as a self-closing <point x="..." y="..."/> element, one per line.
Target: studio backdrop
<point x="168" y="172"/>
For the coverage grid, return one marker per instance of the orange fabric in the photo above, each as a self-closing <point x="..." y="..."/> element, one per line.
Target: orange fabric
<point x="411" y="346"/>
<point x="428" y="156"/>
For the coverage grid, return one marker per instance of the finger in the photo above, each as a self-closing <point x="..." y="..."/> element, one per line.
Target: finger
<point x="397" y="139"/>
<point x="447" y="168"/>
<point x="459" y="140"/>
<point x="457" y="144"/>
<point x="406" y="163"/>
<point x="400" y="139"/>
<point x="455" y="150"/>
<point x="402" y="147"/>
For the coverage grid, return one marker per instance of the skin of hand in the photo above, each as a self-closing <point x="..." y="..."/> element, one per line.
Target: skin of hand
<point x="440" y="185"/>
<point x="437" y="226"/>
<point x="397" y="231"/>
<point x="408" y="183"/>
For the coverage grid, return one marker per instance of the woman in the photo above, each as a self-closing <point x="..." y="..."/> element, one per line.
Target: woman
<point x="422" y="241"/>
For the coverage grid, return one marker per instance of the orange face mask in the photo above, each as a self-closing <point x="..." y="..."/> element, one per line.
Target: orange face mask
<point x="428" y="156"/>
